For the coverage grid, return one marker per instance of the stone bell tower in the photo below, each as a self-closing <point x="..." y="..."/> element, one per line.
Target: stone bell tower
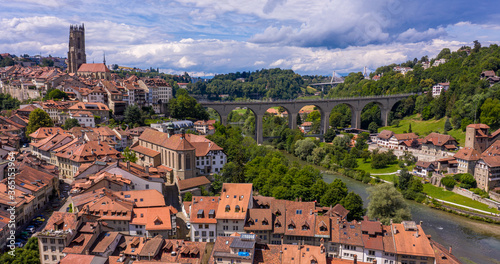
<point x="76" y="53"/>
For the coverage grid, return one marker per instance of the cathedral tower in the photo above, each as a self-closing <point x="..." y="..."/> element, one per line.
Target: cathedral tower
<point x="76" y="53"/>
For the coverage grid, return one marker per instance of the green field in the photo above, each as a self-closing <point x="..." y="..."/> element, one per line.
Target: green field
<point x="240" y="111"/>
<point x="367" y="167"/>
<point x="440" y="193"/>
<point x="423" y="128"/>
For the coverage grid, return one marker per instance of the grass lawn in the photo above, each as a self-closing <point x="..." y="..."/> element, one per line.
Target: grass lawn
<point x="440" y="193"/>
<point x="240" y="111"/>
<point x="422" y="127"/>
<point x="367" y="167"/>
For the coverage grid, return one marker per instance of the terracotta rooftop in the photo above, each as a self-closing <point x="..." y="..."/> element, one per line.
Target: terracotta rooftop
<point x="61" y="221"/>
<point x="385" y="134"/>
<point x="467" y="154"/>
<point x="296" y="254"/>
<point x="300" y="218"/>
<point x="259" y="219"/>
<point x="154" y="218"/>
<point x="203" y="209"/>
<point x="145" y="151"/>
<point x="235" y="199"/>
<point x="439" y="140"/>
<point x="81" y="259"/>
<point x="411" y="241"/>
<point x="143" y="198"/>
<point x="93" y="67"/>
<point x="192" y="183"/>
<point x="104" y="242"/>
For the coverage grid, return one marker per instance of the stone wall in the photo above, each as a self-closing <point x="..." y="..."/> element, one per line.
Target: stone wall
<point x="494" y="196"/>
<point x="473" y="196"/>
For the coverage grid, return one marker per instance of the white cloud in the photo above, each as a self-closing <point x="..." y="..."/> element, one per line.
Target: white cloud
<point x="412" y="35"/>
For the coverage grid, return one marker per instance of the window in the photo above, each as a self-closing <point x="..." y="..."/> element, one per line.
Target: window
<point x="298" y="212"/>
<point x="45" y="248"/>
<point x="371" y="253"/>
<point x="46" y="257"/>
<point x="211" y="233"/>
<point x="54" y="257"/>
<point x="203" y="233"/>
<point x="196" y="233"/>
<point x="200" y="226"/>
<point x="53" y="249"/>
<point x="147" y="186"/>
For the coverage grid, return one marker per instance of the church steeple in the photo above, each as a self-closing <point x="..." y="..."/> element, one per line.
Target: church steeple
<point x="104" y="60"/>
<point x="76" y="51"/>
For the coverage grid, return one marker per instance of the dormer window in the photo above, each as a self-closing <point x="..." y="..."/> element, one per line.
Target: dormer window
<point x="237" y="208"/>
<point x="228" y="208"/>
<point x="265" y="222"/>
<point x="304" y="227"/>
<point x="277" y="224"/>
<point x="323" y="228"/>
<point x="291" y="227"/>
<point x="278" y="213"/>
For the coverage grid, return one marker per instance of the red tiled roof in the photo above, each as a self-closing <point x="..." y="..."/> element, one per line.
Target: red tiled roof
<point x="93" y="67"/>
<point x="385" y="134"/>
<point x="192" y="182"/>
<point x="467" y="154"/>
<point x="203" y="205"/>
<point x="146" y="151"/>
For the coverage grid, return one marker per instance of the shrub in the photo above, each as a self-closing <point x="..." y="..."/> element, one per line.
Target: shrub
<point x="366" y="179"/>
<point x="448" y="181"/>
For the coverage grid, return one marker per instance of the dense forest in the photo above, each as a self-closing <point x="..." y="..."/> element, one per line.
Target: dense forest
<point x="265" y="83"/>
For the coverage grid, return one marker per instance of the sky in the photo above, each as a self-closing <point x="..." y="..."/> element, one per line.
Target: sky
<point x="207" y="37"/>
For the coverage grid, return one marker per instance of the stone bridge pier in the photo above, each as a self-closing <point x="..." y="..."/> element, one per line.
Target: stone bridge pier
<point x="324" y="106"/>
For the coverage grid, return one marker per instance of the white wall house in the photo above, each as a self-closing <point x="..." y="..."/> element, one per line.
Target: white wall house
<point x="85" y="118"/>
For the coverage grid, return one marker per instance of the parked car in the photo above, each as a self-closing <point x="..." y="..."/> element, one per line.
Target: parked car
<point x="31" y="229"/>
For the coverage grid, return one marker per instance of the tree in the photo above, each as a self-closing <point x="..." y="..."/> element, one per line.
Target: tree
<point x="448" y="181"/>
<point x="188" y="197"/>
<point x="447" y="125"/>
<point x="349" y="162"/>
<point x="337" y="190"/>
<point x="330" y="135"/>
<point x="28" y="254"/>
<point x="477" y="46"/>
<point x="70" y="123"/>
<point x="129" y="155"/>
<point x="404" y="179"/>
<point x="490" y="112"/>
<point x="354" y="203"/>
<point x="37" y="119"/>
<point x="133" y="114"/>
<point x="46" y="62"/>
<point x="185" y="106"/>
<point x="387" y="203"/>
<point x="56" y="94"/>
<point x="373" y="127"/>
<point x="409" y="128"/>
<point x="467" y="181"/>
<point x="304" y="148"/>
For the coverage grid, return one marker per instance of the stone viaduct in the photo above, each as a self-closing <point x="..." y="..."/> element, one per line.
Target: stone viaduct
<point x="293" y="107"/>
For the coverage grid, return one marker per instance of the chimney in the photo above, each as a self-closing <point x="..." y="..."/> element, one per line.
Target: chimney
<point x="310" y="211"/>
<point x="128" y="165"/>
<point x="421" y="222"/>
<point x="355" y="259"/>
<point x="449" y="250"/>
<point x="416" y="235"/>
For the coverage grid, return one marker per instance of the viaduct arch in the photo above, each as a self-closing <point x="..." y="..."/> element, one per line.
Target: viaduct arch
<point x="293" y="107"/>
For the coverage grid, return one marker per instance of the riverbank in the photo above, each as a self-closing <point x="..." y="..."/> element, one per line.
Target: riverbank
<point x="458" y="211"/>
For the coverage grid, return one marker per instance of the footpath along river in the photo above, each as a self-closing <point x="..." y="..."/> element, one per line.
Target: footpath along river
<point x="471" y="241"/>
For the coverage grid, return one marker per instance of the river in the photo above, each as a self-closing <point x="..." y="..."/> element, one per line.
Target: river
<point x="471" y="241"/>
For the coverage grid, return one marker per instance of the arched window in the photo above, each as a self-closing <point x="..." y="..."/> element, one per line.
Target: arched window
<point x="179" y="162"/>
<point x="228" y="208"/>
<point x="237" y="208"/>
